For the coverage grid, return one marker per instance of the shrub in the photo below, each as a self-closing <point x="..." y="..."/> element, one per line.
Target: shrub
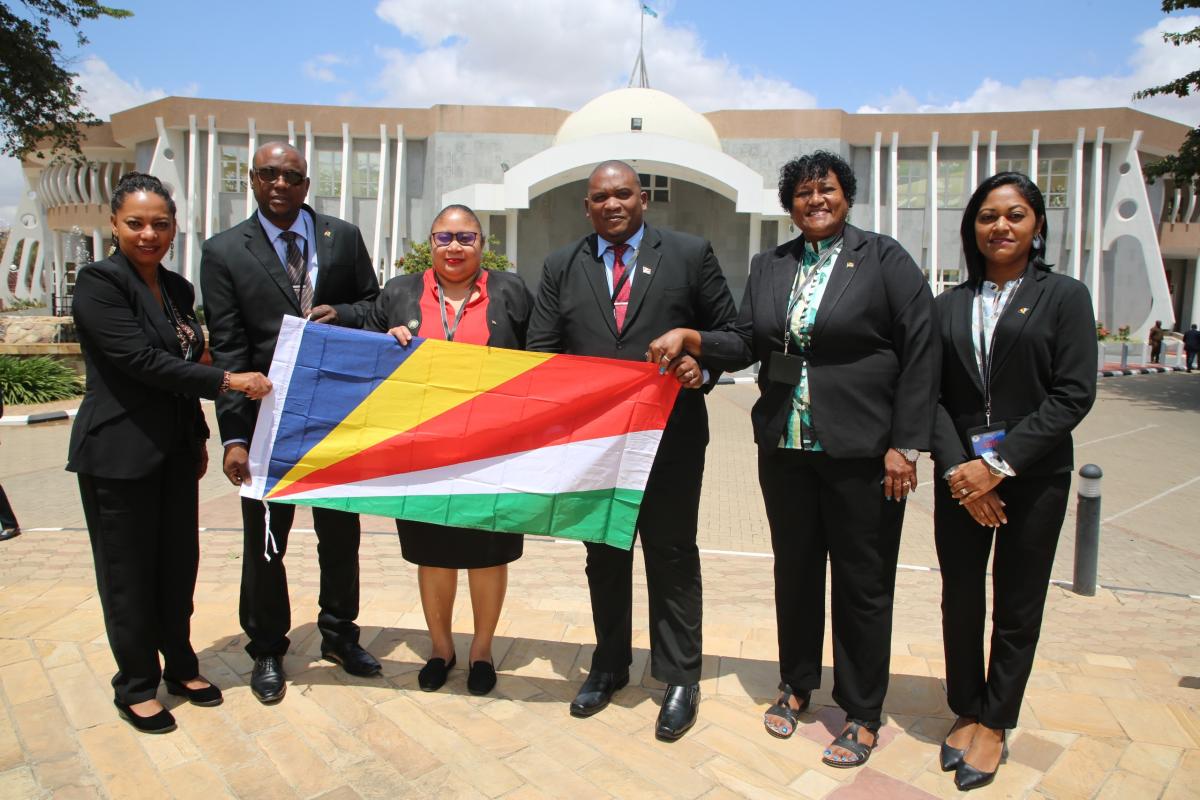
<point x="420" y="259"/>
<point x="37" y="380"/>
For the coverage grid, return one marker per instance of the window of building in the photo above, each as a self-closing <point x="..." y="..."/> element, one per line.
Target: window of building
<point x="329" y="173"/>
<point x="1052" y="180"/>
<point x="1020" y="165"/>
<point x="235" y="164"/>
<point x="912" y="183"/>
<point x="366" y="174"/>
<point x="658" y="187"/>
<point x="952" y="184"/>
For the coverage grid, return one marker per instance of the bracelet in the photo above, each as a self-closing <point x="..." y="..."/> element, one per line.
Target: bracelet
<point x="224" y="383"/>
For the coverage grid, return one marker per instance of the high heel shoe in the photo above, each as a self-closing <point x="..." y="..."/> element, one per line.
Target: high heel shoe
<point x="950" y="757"/>
<point x="967" y="777"/>
<point x="208" y="696"/>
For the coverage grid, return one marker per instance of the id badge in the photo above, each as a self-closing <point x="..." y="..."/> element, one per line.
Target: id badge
<point x="985" y="438"/>
<point x="784" y="368"/>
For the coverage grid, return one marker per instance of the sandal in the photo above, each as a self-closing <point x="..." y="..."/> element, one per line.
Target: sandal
<point x="783" y="708"/>
<point x="849" y="741"/>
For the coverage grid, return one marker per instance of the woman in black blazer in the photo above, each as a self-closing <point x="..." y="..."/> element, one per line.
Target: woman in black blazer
<point x="138" y="446"/>
<point x="846" y="404"/>
<point x="459" y="301"/>
<point x="1018" y="374"/>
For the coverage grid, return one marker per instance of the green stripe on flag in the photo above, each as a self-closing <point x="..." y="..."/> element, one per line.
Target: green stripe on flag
<point x="607" y="516"/>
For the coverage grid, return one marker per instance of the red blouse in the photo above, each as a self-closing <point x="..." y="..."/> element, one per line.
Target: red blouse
<point x="472" y="329"/>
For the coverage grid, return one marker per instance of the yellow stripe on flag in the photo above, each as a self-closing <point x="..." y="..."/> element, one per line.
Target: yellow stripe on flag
<point x="438" y="376"/>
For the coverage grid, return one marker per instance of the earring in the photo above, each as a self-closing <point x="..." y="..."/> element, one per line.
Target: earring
<point x="1037" y="242"/>
<point x="171" y="252"/>
<point x="112" y="243"/>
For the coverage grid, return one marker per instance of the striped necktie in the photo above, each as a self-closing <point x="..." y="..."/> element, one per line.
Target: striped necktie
<point x="297" y="270"/>
<point x="620" y="286"/>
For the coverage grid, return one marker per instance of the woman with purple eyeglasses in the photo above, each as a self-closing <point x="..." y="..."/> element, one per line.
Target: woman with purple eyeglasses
<point x="458" y="301"/>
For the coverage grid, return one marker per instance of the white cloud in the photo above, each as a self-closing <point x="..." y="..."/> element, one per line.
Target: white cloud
<point x="105" y="91"/>
<point x="1154" y="62"/>
<point x="550" y="53"/>
<point x="320" y="67"/>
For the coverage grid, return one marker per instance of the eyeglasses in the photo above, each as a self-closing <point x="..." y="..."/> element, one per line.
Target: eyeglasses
<point x="444" y="238"/>
<point x="271" y="174"/>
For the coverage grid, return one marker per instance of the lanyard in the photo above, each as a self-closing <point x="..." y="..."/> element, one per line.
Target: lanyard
<point x="628" y="271"/>
<point x="800" y="286"/>
<point x="462" y="309"/>
<point x="987" y="348"/>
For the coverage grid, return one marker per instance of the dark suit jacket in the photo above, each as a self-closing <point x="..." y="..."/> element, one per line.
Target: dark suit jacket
<point x="873" y="361"/>
<point x="247" y="293"/>
<point x="1043" y="374"/>
<point x="142" y="396"/>
<point x="678" y="284"/>
<point x="509" y="302"/>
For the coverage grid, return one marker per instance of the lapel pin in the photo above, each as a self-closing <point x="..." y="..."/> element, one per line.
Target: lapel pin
<point x="328" y="234"/>
<point x="1023" y="310"/>
<point x="849" y="265"/>
<point x="646" y="270"/>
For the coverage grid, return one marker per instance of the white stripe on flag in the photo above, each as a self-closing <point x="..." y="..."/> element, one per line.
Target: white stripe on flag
<point x="291" y="331"/>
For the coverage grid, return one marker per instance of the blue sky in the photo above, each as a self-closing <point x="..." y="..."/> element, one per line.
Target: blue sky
<point x="938" y="55"/>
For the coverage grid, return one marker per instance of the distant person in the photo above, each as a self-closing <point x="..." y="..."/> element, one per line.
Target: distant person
<point x="1156" y="340"/>
<point x="8" y="520"/>
<point x="1191" y="346"/>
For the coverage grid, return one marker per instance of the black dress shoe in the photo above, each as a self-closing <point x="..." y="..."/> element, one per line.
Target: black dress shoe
<point x="433" y="675"/>
<point x="967" y="777"/>
<point x="678" y="712"/>
<point x="9" y="533"/>
<point x="266" y="681"/>
<point x="482" y="677"/>
<point x="352" y="657"/>
<point x="208" y="696"/>
<point x="162" y="722"/>
<point x="597" y="691"/>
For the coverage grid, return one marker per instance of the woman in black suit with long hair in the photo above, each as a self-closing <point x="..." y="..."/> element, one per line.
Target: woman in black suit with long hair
<point x="1018" y="374"/>
<point x="138" y="445"/>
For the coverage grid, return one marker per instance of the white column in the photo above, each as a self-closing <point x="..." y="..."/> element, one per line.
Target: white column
<point x="893" y="189"/>
<point x="1033" y="156"/>
<point x="1075" y="201"/>
<point x="344" y="194"/>
<point x="292" y="132"/>
<point x="308" y="155"/>
<point x="380" y="196"/>
<point x="875" y="182"/>
<point x="935" y="278"/>
<point x="1195" y="309"/>
<point x="98" y="248"/>
<point x="252" y="143"/>
<point x="398" y="203"/>
<point x="210" y="182"/>
<point x="973" y="164"/>
<point x="189" y="235"/>
<point x="510" y="235"/>
<point x="992" y="155"/>
<point x="1093" y="277"/>
<point x="755" y="236"/>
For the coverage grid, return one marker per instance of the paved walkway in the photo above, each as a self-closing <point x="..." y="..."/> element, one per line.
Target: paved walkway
<point x="1113" y="709"/>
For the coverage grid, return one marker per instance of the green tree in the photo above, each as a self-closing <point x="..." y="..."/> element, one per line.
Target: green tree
<point x="1184" y="166"/>
<point x="420" y="259"/>
<point x="40" y="103"/>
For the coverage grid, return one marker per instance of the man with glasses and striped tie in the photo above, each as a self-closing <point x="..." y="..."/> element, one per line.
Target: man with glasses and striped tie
<point x="285" y="259"/>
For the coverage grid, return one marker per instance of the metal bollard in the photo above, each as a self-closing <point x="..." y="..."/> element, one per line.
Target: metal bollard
<point x="1087" y="530"/>
<point x="1125" y="355"/>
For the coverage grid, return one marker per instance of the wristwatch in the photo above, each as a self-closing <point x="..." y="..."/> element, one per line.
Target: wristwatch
<point x="911" y="455"/>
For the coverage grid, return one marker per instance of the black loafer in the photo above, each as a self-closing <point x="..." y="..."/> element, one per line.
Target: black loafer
<point x="208" y="696"/>
<point x="433" y="675"/>
<point x="678" y="713"/>
<point x="597" y="692"/>
<point x="482" y="677"/>
<point x="352" y="657"/>
<point x="267" y="680"/>
<point x="162" y="722"/>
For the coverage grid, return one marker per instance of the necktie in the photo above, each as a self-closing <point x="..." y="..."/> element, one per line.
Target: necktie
<point x="620" y="286"/>
<point x="297" y="271"/>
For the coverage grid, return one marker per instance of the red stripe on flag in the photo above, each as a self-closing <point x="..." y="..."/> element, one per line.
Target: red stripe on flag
<point x="563" y="399"/>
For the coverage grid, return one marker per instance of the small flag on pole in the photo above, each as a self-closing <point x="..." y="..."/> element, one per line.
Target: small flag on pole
<point x="647" y="10"/>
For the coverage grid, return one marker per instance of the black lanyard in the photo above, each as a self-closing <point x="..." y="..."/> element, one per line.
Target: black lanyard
<point x="462" y="309"/>
<point x="987" y="348"/>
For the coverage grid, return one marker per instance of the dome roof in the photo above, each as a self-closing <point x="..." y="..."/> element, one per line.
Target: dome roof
<point x="660" y="113"/>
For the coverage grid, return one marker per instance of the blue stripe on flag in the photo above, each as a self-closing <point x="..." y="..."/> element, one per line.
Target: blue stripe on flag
<point x="319" y="398"/>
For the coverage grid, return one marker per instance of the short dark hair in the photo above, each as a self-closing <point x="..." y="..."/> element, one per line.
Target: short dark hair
<point x="132" y="182"/>
<point x="814" y="167"/>
<point x="1032" y="194"/>
<point x="456" y="207"/>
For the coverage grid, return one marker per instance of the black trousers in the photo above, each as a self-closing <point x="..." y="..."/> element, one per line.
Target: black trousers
<point x="1024" y="555"/>
<point x="7" y="518"/>
<point x="264" y="608"/>
<point x="820" y="506"/>
<point x="667" y="529"/>
<point x="146" y="547"/>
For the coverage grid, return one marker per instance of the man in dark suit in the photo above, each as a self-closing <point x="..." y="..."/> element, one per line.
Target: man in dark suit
<point x="610" y="294"/>
<point x="285" y="259"/>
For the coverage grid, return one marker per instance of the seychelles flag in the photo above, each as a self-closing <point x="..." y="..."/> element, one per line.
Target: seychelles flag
<point x="458" y="434"/>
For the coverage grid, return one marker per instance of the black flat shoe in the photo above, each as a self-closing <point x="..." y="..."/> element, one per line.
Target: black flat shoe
<point x="352" y="658"/>
<point x="482" y="677"/>
<point x="267" y="680"/>
<point x="208" y="696"/>
<point x="162" y="722"/>
<point x="967" y="777"/>
<point x="9" y="533"/>
<point x="433" y="675"/>
<point x="680" y="706"/>
<point x="597" y="691"/>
